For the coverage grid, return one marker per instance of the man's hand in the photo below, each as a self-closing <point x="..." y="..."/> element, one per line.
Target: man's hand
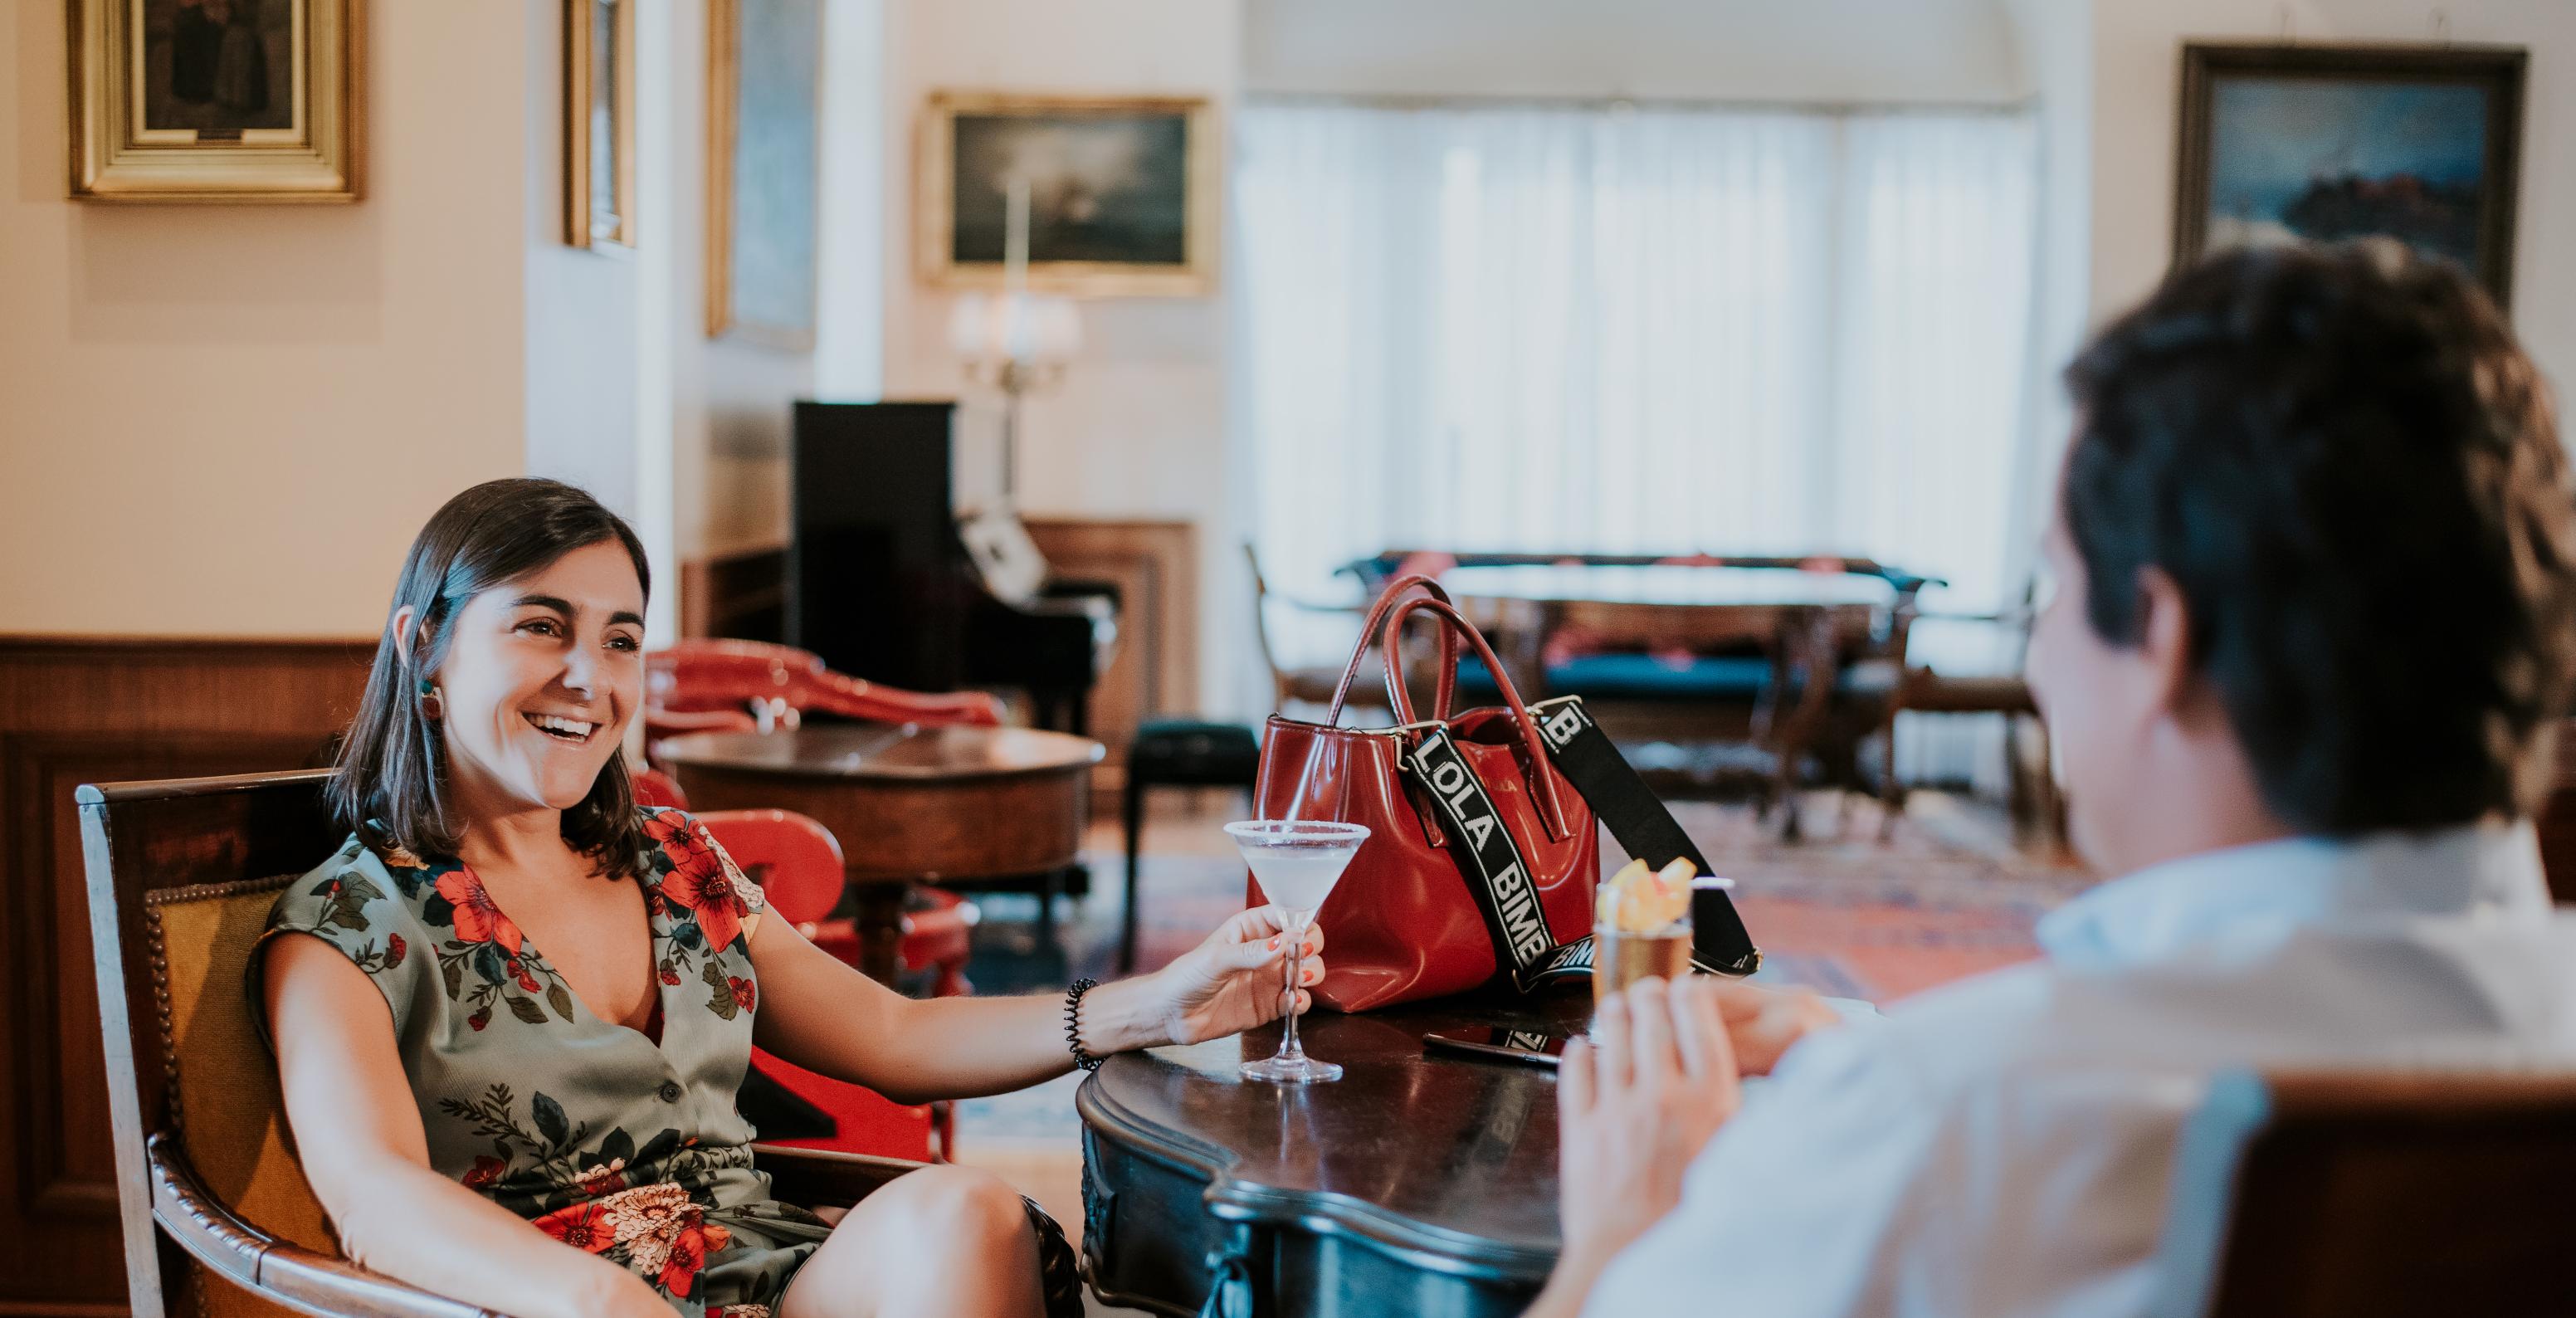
<point x="1763" y="1022"/>
<point x="1635" y="1105"/>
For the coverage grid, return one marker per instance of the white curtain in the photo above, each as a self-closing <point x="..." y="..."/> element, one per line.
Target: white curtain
<point x="1656" y="329"/>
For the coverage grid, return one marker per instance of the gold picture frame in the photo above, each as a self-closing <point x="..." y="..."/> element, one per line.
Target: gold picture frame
<point x="1146" y="189"/>
<point x="217" y="100"/>
<point x="599" y="123"/>
<point x="764" y="171"/>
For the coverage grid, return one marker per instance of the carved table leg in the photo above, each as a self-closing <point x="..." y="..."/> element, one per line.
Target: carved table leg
<point x="879" y="917"/>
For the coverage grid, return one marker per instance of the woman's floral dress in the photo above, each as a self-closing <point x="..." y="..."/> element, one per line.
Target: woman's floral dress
<point x="604" y="1138"/>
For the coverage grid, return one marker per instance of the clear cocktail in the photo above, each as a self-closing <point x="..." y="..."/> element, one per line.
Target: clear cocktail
<point x="1296" y="862"/>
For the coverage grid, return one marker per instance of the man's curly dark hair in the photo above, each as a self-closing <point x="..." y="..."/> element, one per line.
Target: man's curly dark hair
<point x="2352" y="472"/>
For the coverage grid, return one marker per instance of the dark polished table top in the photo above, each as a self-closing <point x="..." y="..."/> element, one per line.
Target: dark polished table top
<point x="879" y="750"/>
<point x="1444" y="1159"/>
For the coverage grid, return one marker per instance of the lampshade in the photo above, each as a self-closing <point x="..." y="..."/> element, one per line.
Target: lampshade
<point x="1014" y="327"/>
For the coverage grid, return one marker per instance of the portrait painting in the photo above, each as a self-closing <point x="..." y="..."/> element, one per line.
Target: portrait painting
<point x="764" y="169"/>
<point x="215" y="100"/>
<point x="218" y="68"/>
<point x="1120" y="193"/>
<point x="2316" y="144"/>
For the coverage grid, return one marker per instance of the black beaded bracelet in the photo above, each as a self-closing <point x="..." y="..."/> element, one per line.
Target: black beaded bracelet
<point x="1073" y="1024"/>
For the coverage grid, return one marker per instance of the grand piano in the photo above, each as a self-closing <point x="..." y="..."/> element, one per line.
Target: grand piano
<point x="886" y="582"/>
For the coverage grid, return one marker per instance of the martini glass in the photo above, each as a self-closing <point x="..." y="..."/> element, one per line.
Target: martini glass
<point x="1296" y="861"/>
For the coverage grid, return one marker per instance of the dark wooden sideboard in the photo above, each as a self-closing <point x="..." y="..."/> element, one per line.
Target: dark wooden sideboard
<point x="92" y="710"/>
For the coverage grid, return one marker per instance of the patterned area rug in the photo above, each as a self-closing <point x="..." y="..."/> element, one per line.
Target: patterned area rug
<point x="1946" y="896"/>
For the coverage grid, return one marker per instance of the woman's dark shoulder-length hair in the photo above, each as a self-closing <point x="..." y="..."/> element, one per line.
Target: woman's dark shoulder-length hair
<point x="390" y="780"/>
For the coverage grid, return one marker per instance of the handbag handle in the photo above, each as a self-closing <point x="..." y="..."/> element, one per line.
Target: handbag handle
<point x="1454" y="624"/>
<point x="1386" y="600"/>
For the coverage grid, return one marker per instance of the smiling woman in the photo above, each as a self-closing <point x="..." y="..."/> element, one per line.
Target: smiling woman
<point x="499" y="533"/>
<point x="512" y="1012"/>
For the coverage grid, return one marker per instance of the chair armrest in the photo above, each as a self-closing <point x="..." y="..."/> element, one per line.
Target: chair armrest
<point x="850" y="697"/>
<point x="820" y="1178"/>
<point x="660" y="723"/>
<point x="275" y="1269"/>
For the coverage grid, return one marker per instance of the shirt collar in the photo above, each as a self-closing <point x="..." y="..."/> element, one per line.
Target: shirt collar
<point x="2269" y="889"/>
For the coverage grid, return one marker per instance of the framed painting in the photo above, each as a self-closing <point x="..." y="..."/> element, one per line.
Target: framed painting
<point x="2292" y="143"/>
<point x="764" y="111"/>
<point x="216" y="100"/>
<point x="599" y="123"/>
<point x="1123" y="193"/>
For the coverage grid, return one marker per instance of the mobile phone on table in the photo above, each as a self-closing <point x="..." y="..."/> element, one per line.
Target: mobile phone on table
<point x="1534" y="1047"/>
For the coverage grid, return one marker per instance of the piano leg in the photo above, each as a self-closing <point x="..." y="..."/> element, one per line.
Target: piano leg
<point x="1061" y="709"/>
<point x="1132" y="817"/>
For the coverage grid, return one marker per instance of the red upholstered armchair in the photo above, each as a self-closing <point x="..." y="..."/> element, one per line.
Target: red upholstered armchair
<point x="797" y="863"/>
<point x="747" y="686"/>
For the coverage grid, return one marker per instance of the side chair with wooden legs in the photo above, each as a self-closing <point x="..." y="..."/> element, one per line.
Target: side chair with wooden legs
<point x="217" y="1217"/>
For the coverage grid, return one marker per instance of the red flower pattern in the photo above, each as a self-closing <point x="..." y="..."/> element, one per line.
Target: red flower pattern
<point x="486" y="1170"/>
<point x="702" y="881"/>
<point x="582" y="1226"/>
<point x="478" y="917"/>
<point x="606" y="1179"/>
<point x="394" y="949"/>
<point x="745" y="993"/>
<point x="689" y="1252"/>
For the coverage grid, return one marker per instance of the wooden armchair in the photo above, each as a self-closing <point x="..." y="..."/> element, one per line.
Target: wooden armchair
<point x="2369" y="1195"/>
<point x="217" y="1218"/>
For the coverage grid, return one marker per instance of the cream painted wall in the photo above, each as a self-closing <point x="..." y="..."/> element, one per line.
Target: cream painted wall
<point x="1746" y="50"/>
<point x="729" y="400"/>
<point x="2136" y="85"/>
<point x="1138" y="426"/>
<point x="230" y="420"/>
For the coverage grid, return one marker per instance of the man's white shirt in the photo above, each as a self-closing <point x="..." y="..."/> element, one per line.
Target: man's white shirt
<point x="2002" y="1146"/>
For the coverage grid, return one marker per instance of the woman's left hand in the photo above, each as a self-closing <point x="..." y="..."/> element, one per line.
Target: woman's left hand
<point x="1233" y="981"/>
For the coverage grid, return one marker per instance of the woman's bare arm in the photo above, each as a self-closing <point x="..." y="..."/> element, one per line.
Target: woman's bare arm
<point x="821" y="1014"/>
<point x="359" y="1137"/>
<point x="824" y="1015"/>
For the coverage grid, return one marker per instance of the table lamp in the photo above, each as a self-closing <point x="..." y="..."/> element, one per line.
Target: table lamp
<point x="1011" y="340"/>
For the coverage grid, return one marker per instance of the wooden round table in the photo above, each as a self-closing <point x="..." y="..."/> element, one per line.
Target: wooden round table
<point x="908" y="803"/>
<point x="1422" y="1175"/>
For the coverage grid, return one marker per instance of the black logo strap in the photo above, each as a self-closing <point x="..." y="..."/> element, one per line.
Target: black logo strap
<point x="1500" y="879"/>
<point x="1645" y="829"/>
<point x="1499" y="876"/>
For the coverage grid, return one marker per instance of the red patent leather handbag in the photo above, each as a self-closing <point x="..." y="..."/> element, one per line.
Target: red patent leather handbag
<point x="1403" y="923"/>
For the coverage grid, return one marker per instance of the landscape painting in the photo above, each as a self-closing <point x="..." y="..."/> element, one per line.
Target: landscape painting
<point x="2316" y="144"/>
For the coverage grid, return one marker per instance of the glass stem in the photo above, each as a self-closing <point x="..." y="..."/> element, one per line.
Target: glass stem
<point x="1289" y="1049"/>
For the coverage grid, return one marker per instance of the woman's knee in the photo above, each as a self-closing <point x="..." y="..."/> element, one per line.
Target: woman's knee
<point x="960" y="1209"/>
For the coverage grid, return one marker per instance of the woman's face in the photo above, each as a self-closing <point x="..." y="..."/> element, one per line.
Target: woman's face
<point x="540" y="678"/>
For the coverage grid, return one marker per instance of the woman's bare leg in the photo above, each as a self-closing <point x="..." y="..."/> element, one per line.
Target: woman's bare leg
<point x="942" y="1240"/>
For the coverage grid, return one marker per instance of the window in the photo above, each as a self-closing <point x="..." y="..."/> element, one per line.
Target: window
<point x="1641" y="329"/>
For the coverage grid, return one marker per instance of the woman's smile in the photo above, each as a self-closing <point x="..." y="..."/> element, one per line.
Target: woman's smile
<point x="562" y="727"/>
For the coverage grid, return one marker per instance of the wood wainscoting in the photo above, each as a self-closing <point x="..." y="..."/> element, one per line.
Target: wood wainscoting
<point x="84" y="710"/>
<point x="1154" y="564"/>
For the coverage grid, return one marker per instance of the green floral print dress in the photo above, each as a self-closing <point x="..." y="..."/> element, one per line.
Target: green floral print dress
<point x="604" y="1137"/>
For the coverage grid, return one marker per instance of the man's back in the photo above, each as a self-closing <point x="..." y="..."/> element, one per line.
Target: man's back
<point x="2004" y="1146"/>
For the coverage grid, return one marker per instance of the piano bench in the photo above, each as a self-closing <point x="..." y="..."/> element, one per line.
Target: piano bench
<point x="1178" y="753"/>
